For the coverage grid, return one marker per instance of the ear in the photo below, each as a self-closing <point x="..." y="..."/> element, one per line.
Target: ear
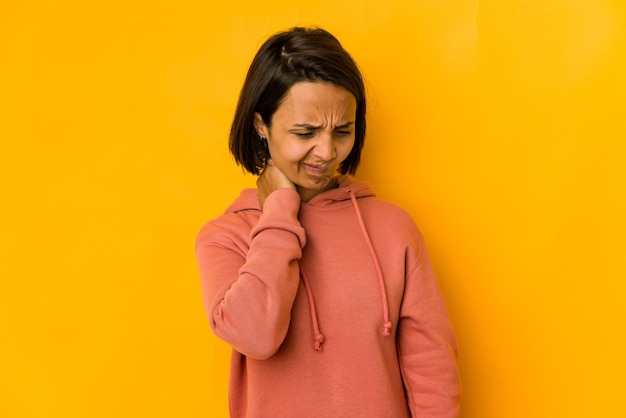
<point x="260" y="126"/>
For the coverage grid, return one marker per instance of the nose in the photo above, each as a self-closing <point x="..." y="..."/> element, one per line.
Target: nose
<point x="325" y="147"/>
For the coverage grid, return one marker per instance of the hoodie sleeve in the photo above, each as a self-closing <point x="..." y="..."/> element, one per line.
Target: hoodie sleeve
<point x="248" y="296"/>
<point x="426" y="345"/>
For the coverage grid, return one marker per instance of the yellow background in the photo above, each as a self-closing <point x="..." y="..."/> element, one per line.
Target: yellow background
<point x="498" y="124"/>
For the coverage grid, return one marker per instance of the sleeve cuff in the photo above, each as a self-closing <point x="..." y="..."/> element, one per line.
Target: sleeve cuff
<point x="280" y="211"/>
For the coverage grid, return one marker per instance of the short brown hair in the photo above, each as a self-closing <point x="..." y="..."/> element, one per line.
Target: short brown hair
<point x="296" y="55"/>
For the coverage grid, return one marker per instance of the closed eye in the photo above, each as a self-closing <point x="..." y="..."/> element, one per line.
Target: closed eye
<point x="303" y="135"/>
<point x="345" y="129"/>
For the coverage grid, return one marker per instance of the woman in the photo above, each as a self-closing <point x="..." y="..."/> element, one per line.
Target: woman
<point x="325" y="293"/>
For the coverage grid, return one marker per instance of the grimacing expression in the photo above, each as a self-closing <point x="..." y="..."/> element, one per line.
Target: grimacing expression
<point x="310" y="134"/>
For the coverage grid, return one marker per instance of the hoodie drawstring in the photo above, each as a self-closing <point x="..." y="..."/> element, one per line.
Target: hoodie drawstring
<point x="379" y="272"/>
<point x="319" y="338"/>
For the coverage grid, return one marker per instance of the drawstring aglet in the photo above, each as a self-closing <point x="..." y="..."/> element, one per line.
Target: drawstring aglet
<point x="317" y="345"/>
<point x="387" y="327"/>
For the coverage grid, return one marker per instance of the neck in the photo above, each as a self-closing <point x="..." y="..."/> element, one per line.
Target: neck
<point x="308" y="194"/>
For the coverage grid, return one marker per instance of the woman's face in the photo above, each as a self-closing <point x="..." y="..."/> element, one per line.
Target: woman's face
<point x="311" y="133"/>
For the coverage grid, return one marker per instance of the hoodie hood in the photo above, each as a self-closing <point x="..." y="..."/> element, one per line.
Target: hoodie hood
<point x="248" y="199"/>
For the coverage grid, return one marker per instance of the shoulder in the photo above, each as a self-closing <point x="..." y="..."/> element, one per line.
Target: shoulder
<point x="392" y="224"/>
<point x="228" y="227"/>
<point x="220" y="225"/>
<point x="387" y="213"/>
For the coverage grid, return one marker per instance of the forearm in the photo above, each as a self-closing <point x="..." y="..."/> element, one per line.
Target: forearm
<point x="249" y="294"/>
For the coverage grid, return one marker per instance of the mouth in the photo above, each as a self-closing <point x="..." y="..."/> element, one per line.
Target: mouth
<point x="315" y="169"/>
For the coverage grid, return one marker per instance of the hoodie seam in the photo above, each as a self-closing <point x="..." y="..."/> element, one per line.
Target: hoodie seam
<point x="406" y="381"/>
<point x="418" y="256"/>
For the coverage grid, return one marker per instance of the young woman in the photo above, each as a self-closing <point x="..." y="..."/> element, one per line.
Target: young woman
<point x="325" y="293"/>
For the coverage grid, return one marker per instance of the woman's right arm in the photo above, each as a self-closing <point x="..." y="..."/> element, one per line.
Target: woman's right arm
<point x="248" y="297"/>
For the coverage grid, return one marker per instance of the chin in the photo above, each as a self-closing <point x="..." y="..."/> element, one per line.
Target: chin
<point x="319" y="184"/>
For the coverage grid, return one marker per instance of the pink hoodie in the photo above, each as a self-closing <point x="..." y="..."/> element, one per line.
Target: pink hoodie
<point x="331" y="307"/>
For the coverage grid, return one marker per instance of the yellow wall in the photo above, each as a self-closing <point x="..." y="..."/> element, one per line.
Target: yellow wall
<point x="498" y="124"/>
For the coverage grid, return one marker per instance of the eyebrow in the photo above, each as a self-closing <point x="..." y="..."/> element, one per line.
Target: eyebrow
<point x="314" y="127"/>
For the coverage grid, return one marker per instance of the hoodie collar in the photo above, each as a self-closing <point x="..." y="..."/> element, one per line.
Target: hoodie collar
<point x="248" y="199"/>
<point x="341" y="193"/>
